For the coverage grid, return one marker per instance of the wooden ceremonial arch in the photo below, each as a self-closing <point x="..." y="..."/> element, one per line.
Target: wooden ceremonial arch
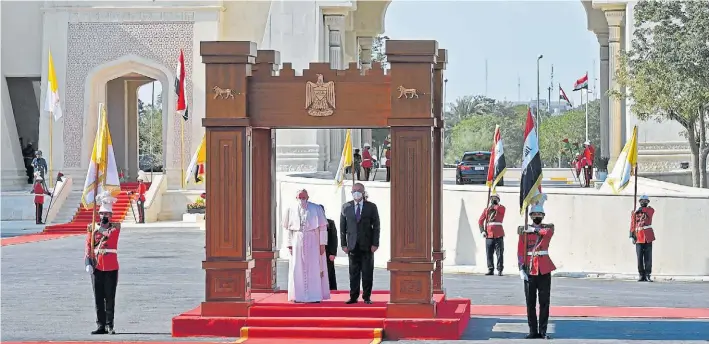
<point x="246" y="100"/>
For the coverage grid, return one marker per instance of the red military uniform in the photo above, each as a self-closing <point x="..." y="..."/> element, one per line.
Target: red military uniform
<point x="589" y="154"/>
<point x="141" y="192"/>
<point x="367" y="163"/>
<point x="535" y="255"/>
<point x="39" y="191"/>
<point x="141" y="202"/>
<point x="641" y="225"/>
<point x="105" y="250"/>
<point x="387" y="164"/>
<point x="494" y="226"/>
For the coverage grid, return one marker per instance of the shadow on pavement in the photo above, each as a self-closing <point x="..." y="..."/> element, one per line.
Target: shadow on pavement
<point x="591" y="329"/>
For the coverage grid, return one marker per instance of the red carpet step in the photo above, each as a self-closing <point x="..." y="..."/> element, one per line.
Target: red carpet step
<point x="35" y="237"/>
<point x="305" y="341"/>
<point x="82" y="218"/>
<point x="273" y="319"/>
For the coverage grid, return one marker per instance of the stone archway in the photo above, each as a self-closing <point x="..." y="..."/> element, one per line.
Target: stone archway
<point x="95" y="89"/>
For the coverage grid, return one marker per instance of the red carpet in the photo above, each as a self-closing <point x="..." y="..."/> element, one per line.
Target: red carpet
<point x="273" y="318"/>
<point x="597" y="312"/>
<point x="306" y="341"/>
<point x="82" y="218"/>
<point x="35" y="237"/>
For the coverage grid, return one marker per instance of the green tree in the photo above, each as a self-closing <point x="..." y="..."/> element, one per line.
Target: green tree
<point x="150" y="145"/>
<point x="667" y="71"/>
<point x="569" y="125"/>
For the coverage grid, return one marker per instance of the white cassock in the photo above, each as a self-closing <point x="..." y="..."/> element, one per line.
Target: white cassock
<point x="306" y="230"/>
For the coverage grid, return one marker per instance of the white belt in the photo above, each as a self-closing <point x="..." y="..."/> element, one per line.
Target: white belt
<point x="643" y="228"/>
<point x="105" y="250"/>
<point x="494" y="223"/>
<point x="538" y="253"/>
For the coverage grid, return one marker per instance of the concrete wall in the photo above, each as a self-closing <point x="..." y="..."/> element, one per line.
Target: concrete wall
<point x="591" y="226"/>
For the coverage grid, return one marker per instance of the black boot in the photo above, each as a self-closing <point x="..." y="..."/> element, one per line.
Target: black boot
<point x="533" y="336"/>
<point x="99" y="330"/>
<point x="499" y="273"/>
<point x="642" y="278"/>
<point x="490" y="273"/>
<point x="648" y="279"/>
<point x="544" y="336"/>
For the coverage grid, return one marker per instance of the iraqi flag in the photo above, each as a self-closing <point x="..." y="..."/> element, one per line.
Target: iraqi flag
<point x="581" y="83"/>
<point x="180" y="78"/>
<point x="497" y="166"/>
<point x="530" y="186"/>
<point x="562" y="96"/>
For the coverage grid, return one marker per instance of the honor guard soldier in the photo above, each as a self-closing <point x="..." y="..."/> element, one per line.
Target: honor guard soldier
<point x="535" y="268"/>
<point x="490" y="223"/>
<point x="642" y="235"/>
<point x="102" y="263"/>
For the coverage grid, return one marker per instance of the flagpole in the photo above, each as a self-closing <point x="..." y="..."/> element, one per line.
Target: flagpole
<point x="51" y="143"/>
<point x="182" y="152"/>
<point x="586" y="91"/>
<point x="524" y="232"/>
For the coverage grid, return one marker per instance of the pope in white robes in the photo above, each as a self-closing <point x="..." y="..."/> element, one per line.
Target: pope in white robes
<point x="306" y="232"/>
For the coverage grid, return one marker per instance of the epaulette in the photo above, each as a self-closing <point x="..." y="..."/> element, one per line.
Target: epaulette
<point x="116" y="225"/>
<point x="548" y="225"/>
<point x="520" y="229"/>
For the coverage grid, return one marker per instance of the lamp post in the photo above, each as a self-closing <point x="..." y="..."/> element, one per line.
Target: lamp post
<point x="536" y="115"/>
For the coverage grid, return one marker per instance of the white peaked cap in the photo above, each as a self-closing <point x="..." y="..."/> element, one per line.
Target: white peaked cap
<point x="587" y="142"/>
<point x="494" y="194"/>
<point x="538" y="207"/>
<point x="106" y="200"/>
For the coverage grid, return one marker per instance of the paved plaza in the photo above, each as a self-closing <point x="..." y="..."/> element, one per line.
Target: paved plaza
<point x="46" y="295"/>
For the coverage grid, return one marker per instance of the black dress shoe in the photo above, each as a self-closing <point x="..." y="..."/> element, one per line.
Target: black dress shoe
<point x="499" y="273"/>
<point x="369" y="302"/>
<point x="642" y="279"/>
<point x="544" y="336"/>
<point x="351" y="301"/>
<point x="533" y="336"/>
<point x="648" y="279"/>
<point x="99" y="330"/>
<point x="490" y="273"/>
<point x="110" y="330"/>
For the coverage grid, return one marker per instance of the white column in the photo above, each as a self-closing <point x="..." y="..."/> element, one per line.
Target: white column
<point x="605" y="142"/>
<point x="335" y="25"/>
<point x="615" y="20"/>
<point x="365" y="61"/>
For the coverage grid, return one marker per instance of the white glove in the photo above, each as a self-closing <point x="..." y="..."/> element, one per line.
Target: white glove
<point x="523" y="275"/>
<point x="89" y="269"/>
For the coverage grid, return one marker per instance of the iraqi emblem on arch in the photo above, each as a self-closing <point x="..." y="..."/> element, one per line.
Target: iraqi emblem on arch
<point x="320" y="97"/>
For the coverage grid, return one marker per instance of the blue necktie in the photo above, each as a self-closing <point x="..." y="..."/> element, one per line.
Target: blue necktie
<point x="358" y="215"/>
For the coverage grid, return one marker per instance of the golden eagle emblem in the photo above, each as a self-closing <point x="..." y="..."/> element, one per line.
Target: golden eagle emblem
<point x="320" y="97"/>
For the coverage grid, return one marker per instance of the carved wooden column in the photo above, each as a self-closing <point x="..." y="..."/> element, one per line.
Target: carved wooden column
<point x="228" y="229"/>
<point x="263" y="210"/>
<point x="438" y="253"/>
<point x="411" y="265"/>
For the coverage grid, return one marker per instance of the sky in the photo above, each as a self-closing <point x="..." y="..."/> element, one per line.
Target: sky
<point x="509" y="35"/>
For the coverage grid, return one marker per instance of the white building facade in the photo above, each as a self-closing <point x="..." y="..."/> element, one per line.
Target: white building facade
<point x="103" y="51"/>
<point x="661" y="145"/>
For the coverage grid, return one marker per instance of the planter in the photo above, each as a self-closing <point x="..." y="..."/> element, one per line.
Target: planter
<point x="601" y="176"/>
<point x="196" y="211"/>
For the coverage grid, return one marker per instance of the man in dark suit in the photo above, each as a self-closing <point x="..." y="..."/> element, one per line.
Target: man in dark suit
<point x="359" y="237"/>
<point x="331" y="251"/>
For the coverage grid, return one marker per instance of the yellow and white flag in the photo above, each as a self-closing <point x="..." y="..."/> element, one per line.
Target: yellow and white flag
<point x="625" y="165"/>
<point x="197" y="167"/>
<point x="103" y="171"/>
<point x="52" y="103"/>
<point x="345" y="161"/>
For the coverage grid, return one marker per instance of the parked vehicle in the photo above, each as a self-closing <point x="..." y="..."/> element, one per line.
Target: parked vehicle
<point x="472" y="168"/>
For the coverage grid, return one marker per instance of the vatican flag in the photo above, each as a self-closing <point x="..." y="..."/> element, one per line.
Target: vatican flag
<point x="52" y="103"/>
<point x="103" y="172"/>
<point x="625" y="166"/>
<point x="197" y="164"/>
<point x="345" y="160"/>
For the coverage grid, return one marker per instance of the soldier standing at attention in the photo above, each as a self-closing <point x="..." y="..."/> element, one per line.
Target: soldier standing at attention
<point x="367" y="161"/>
<point x="490" y="223"/>
<point x="39" y="190"/>
<point x="535" y="268"/>
<point x="642" y="234"/>
<point x="101" y="258"/>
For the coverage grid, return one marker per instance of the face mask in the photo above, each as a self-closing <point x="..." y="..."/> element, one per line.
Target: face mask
<point x="537" y="220"/>
<point x="104" y="220"/>
<point x="494" y="201"/>
<point x="302" y="201"/>
<point x="357" y="195"/>
<point x="643" y="204"/>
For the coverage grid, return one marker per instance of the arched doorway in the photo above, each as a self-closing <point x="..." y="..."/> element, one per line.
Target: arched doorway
<point x="117" y="85"/>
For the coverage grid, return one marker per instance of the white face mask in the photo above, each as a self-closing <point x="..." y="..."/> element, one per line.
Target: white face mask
<point x="357" y="195"/>
<point x="302" y="202"/>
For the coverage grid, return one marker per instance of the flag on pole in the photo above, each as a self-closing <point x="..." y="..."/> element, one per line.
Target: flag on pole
<point x="103" y="172"/>
<point x="581" y="83"/>
<point x="52" y="103"/>
<point x="198" y="163"/>
<point x="562" y="96"/>
<point x="345" y="160"/>
<point x="530" y="186"/>
<point x="497" y="167"/>
<point x="625" y="165"/>
<point x="180" y="78"/>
